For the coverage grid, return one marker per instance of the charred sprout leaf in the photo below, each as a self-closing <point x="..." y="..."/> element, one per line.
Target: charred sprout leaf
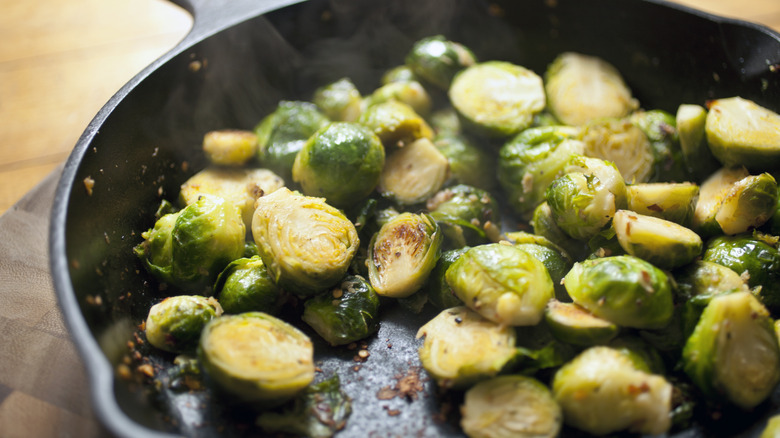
<point x="395" y="123"/>
<point x="339" y="100"/>
<point x="281" y="134"/>
<point x="341" y="163"/>
<point x="674" y="202"/>
<point x="510" y="406"/>
<point x="440" y="294"/>
<point x="661" y="130"/>
<point x="256" y="357"/>
<point x="320" y="411"/>
<point x="403" y="253"/>
<point x="461" y="347"/>
<point x="347" y="313"/>
<point x="502" y="283"/>
<point x="241" y="187"/>
<point x="306" y="244"/>
<point x="468" y="163"/>
<point x="663" y="243"/>
<point x="581" y="88"/>
<point x="413" y="173"/>
<point x="572" y="324"/>
<point x="742" y="133"/>
<point x="156" y="250"/>
<point x="622" y="143"/>
<point x="437" y="59"/>
<point x="207" y="236"/>
<point x="245" y="286"/>
<point x="497" y="98"/>
<point x="699" y="161"/>
<point x="230" y="147"/>
<point x="733" y="354"/>
<point x="175" y="323"/>
<point x="529" y="162"/>
<point x="624" y="289"/>
<point x="467" y="215"/>
<point x="409" y="92"/>
<point x="590" y="387"/>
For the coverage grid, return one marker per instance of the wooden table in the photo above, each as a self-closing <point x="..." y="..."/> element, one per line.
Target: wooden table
<point x="60" y="61"/>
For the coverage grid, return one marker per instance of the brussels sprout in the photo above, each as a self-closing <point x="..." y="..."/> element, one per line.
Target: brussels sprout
<point x="699" y="161"/>
<point x="772" y="225"/>
<point x="497" y="98"/>
<point x="623" y="289"/>
<point x="772" y="428"/>
<point x="511" y="406"/>
<point x="156" y="250"/>
<point x="572" y="324"/>
<point x="607" y="173"/>
<point x="502" y="283"/>
<point x="674" y="202"/>
<point x="662" y="243"/>
<point x="644" y="355"/>
<point x="395" y="123"/>
<point x="461" y="347"/>
<point x="437" y="60"/>
<point x="230" y="147"/>
<point x="530" y="161"/>
<point x="742" y="133"/>
<point x="543" y="224"/>
<point x="281" y="134"/>
<point x="661" y="130"/>
<point x="467" y="215"/>
<point x="413" y="173"/>
<point x="403" y="253"/>
<point x="398" y="73"/>
<point x="590" y="387"/>
<point x="704" y="278"/>
<point x="756" y="260"/>
<point x="306" y="244"/>
<point x="207" y="236"/>
<point x="732" y="201"/>
<point x="256" y="357"/>
<point x="175" y="323"/>
<point x="409" y="92"/>
<point x="445" y="122"/>
<point x="242" y="187"/>
<point x="623" y="143"/>
<point x="347" y="313"/>
<point x="339" y="100"/>
<point x="319" y="411"/>
<point x="440" y="293"/>
<point x="581" y="88"/>
<point x="341" y="162"/>
<point x="468" y="163"/>
<point x="557" y="261"/>
<point x="581" y="205"/>
<point x="245" y="286"/>
<point x="733" y="354"/>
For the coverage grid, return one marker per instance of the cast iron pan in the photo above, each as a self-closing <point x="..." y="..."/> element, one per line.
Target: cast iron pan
<point x="240" y="59"/>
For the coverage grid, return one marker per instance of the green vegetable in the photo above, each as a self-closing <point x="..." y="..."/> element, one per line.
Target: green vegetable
<point x="557" y="261"/>
<point x="663" y="243"/>
<point x="156" y="250"/>
<point x="395" y="123"/>
<point x="699" y="161"/>
<point x="674" y="202"/>
<point x="467" y="215"/>
<point x="244" y="286"/>
<point x="469" y="163"/>
<point x="437" y="59"/>
<point x="347" y="313"/>
<point x="572" y="324"/>
<point x="398" y="73"/>
<point x="339" y="100"/>
<point x="175" y="323"/>
<point x="409" y="92"/>
<point x="543" y="224"/>
<point x="256" y="357"/>
<point x="230" y="147"/>
<point x="661" y="130"/>
<point x="413" y="173"/>
<point x="623" y="143"/>
<point x="440" y="293"/>
<point x="772" y="428"/>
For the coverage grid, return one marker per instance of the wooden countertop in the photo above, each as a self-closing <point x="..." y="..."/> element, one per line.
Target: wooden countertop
<point x="60" y="61"/>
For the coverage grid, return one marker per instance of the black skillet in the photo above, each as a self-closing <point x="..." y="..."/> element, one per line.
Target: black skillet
<point x="233" y="68"/>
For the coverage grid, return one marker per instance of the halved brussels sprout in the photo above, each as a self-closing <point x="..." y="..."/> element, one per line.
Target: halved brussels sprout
<point x="607" y="173"/>
<point x="704" y="278"/>
<point x="413" y="173"/>
<point x="502" y="283"/>
<point x="256" y="357"/>
<point x="467" y="215"/>
<point x="497" y="98"/>
<point x="623" y="289"/>
<point x="347" y="313"/>
<point x="437" y="59"/>
<point x="663" y="243"/>
<point x="207" y="236"/>
<point x="557" y="261"/>
<point x="530" y="161"/>
<point x="461" y="347"/>
<point x="281" y="134"/>
<point x="395" y="123"/>
<point x="230" y="147"/>
<point x="468" y="163"/>
<point x="743" y="133"/>
<point x="440" y="293"/>
<point x="572" y="324"/>
<point x="511" y="406"/>
<point x="581" y="88"/>
<point x="306" y="244"/>
<point x="174" y="324"/>
<point x="622" y="143"/>
<point x="732" y="201"/>
<point x="733" y="354"/>
<point x="602" y="391"/>
<point x="339" y="100"/>
<point x="674" y="202"/>
<point x="156" y="250"/>
<point x="403" y="253"/>
<point x="341" y="162"/>
<point x="245" y="286"/>
<point x="699" y="161"/>
<point x="242" y="187"/>
<point x="660" y="128"/>
<point x="409" y="92"/>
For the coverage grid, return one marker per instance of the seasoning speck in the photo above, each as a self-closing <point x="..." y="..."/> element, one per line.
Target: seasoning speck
<point x="89" y="184"/>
